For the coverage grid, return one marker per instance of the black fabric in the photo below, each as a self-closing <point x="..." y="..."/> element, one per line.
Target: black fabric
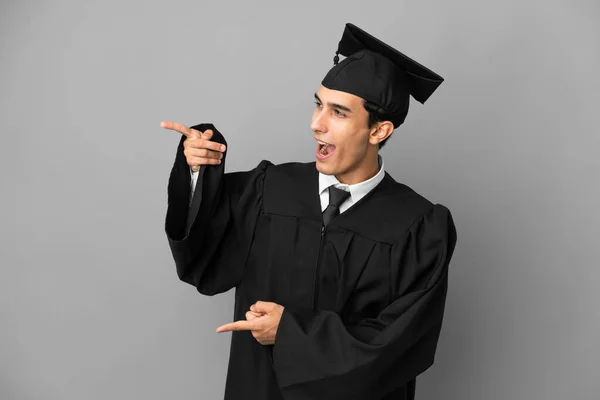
<point x="336" y="198"/>
<point x="364" y="297"/>
<point x="380" y="74"/>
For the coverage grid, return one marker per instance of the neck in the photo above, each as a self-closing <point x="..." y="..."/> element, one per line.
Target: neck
<point x="365" y="171"/>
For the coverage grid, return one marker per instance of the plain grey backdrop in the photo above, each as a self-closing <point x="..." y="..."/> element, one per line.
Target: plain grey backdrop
<point x="90" y="305"/>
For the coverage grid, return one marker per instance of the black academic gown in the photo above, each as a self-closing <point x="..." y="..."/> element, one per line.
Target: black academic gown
<point x="364" y="297"/>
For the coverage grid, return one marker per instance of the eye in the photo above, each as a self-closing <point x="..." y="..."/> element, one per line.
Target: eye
<point x="319" y="105"/>
<point x="339" y="113"/>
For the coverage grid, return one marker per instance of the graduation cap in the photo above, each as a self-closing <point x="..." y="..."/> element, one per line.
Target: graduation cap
<point x="379" y="74"/>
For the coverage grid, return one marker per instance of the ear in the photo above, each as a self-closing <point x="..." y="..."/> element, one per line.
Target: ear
<point x="380" y="132"/>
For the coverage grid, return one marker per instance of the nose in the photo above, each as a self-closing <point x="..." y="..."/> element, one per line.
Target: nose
<point x="318" y="124"/>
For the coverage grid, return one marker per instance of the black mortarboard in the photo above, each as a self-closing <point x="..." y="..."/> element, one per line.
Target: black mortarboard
<point x="379" y="74"/>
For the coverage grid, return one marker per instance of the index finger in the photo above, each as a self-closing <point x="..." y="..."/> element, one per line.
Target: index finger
<point x="176" y="126"/>
<point x="236" y="326"/>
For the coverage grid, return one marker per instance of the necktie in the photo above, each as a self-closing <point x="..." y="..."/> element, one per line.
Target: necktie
<point x="336" y="198"/>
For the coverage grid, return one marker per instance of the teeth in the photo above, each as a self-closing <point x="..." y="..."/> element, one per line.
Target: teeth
<point x="324" y="147"/>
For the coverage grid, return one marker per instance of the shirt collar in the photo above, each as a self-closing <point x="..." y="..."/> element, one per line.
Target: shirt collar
<point x="357" y="190"/>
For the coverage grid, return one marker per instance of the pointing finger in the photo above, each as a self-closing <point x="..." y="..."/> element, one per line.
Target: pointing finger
<point x="176" y="126"/>
<point x="236" y="326"/>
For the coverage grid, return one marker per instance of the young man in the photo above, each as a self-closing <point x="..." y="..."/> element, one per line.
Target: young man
<point x="340" y="272"/>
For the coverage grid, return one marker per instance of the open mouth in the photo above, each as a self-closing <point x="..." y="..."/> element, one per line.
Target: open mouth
<point x="324" y="149"/>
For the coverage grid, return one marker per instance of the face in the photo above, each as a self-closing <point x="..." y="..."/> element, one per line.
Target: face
<point x="345" y="145"/>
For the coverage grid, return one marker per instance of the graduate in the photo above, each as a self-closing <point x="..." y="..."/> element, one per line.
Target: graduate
<point x="340" y="272"/>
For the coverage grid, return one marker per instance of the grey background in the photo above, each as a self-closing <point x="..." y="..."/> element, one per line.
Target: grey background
<point x="90" y="305"/>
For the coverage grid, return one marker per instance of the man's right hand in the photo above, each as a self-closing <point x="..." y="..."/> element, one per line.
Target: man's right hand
<point x="197" y="148"/>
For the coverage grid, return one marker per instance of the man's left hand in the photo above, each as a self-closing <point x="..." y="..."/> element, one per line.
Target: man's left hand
<point x="262" y="319"/>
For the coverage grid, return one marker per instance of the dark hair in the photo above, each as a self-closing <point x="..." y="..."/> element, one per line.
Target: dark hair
<point x="376" y="114"/>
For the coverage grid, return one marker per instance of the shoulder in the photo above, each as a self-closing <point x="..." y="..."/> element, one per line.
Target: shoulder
<point x="291" y="176"/>
<point x="396" y="193"/>
<point x="291" y="189"/>
<point x="392" y="210"/>
<point x="416" y="213"/>
<point x="278" y="177"/>
<point x="403" y="203"/>
<point x="292" y="170"/>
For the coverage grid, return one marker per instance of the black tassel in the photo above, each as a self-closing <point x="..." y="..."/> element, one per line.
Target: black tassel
<point x="336" y="58"/>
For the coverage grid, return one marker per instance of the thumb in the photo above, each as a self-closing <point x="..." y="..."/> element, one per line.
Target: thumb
<point x="261" y="306"/>
<point x="207" y="134"/>
<point x="195" y="134"/>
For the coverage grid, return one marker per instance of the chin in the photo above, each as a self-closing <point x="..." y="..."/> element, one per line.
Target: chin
<point x="324" y="169"/>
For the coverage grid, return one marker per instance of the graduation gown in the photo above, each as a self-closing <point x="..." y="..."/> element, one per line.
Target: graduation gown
<point x="364" y="297"/>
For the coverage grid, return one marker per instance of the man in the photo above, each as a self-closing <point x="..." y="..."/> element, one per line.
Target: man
<point x="340" y="272"/>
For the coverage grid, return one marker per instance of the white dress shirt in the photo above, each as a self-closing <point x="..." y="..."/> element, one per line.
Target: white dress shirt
<point x="357" y="190"/>
<point x="194" y="180"/>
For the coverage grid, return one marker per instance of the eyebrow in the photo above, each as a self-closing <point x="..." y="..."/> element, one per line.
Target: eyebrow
<point x="334" y="105"/>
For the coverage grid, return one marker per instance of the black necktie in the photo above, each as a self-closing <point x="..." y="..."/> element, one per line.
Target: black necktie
<point x="336" y="198"/>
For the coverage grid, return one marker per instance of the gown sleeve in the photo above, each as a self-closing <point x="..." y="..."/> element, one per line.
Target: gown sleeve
<point x="210" y="235"/>
<point x="317" y="356"/>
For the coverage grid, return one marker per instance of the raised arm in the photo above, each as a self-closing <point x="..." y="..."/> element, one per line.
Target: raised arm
<point x="209" y="236"/>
